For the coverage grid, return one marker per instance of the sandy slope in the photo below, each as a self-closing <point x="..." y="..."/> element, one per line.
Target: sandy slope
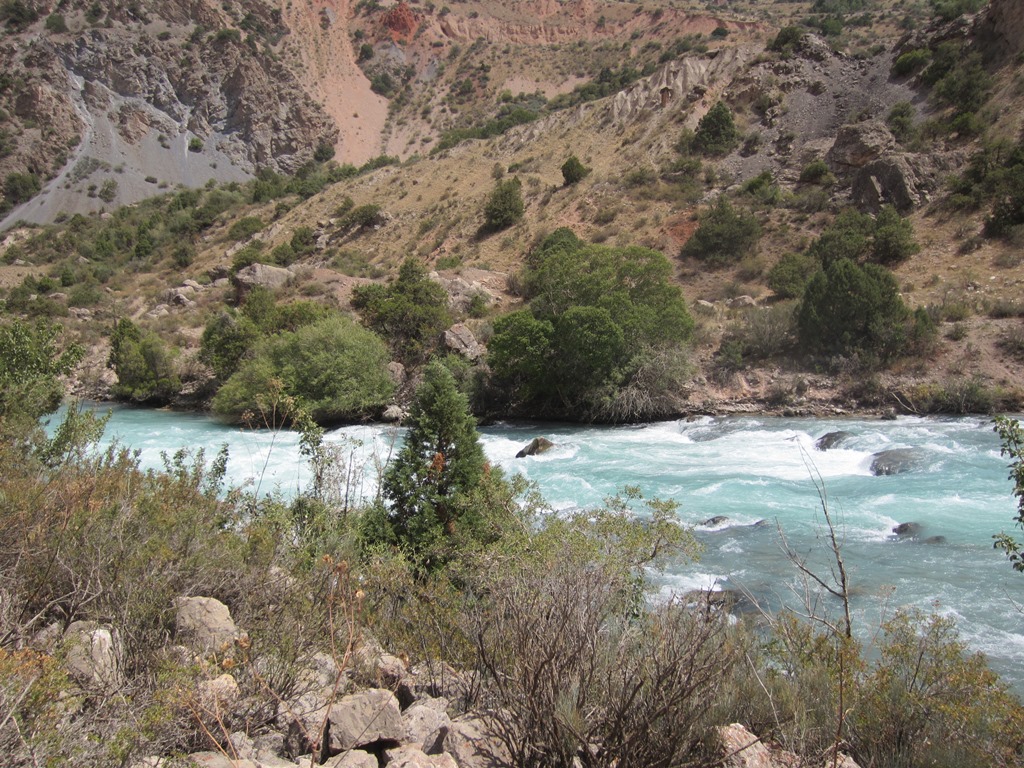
<point x="329" y="74"/>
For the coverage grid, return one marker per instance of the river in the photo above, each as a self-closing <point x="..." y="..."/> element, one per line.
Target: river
<point x="747" y="470"/>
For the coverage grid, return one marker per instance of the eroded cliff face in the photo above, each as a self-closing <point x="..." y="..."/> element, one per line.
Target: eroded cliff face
<point x="164" y="95"/>
<point x="1000" y="30"/>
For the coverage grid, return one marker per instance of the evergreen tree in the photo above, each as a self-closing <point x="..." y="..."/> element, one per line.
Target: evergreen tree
<point x="574" y="171"/>
<point x="439" y="464"/>
<point x="716" y="133"/>
<point x="505" y="205"/>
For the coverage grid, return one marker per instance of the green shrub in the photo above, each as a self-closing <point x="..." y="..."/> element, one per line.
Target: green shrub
<point x="55" y="23"/>
<point x="716" y="132"/>
<point x="195" y="144"/>
<point x="335" y="368"/>
<point x="245" y="228"/>
<point x="144" y="365"/>
<point x="893" y="239"/>
<point x="724" y="235"/>
<point x="597" y="318"/>
<point x="901" y="121"/>
<point x="573" y="171"/>
<point x="816" y="172"/>
<point x="850" y="308"/>
<point x="911" y="62"/>
<point x="504" y="206"/>
<point x="226" y="340"/>
<point x="362" y="217"/>
<point x="787" y="40"/>
<point x="790" y="275"/>
<point x="411" y="312"/>
<point x="19" y="187"/>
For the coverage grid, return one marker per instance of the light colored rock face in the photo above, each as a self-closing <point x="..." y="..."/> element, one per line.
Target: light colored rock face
<point x="425" y="725"/>
<point x="364" y="718"/>
<point x="93" y="655"/>
<point x="859" y="144"/>
<point x="219" y="695"/>
<point x="742" y="749"/>
<point x="263" y="275"/>
<point x="412" y="757"/>
<point x="218" y="760"/>
<point x="204" y="623"/>
<point x="472" y="745"/>
<point x="355" y="758"/>
<point x="460" y="339"/>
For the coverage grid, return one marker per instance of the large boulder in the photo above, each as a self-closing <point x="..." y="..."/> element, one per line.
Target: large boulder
<point x="93" y="656"/>
<point x="302" y="717"/>
<point x="474" y="745"/>
<point x="365" y="718"/>
<point x="831" y="440"/>
<point x="263" y="275"/>
<point x="907" y="530"/>
<point x="888" y="181"/>
<point x="425" y="725"/>
<point x="537" y="446"/>
<point x="408" y="756"/>
<point x="204" y="623"/>
<point x="460" y="339"/>
<point x="858" y="144"/>
<point x="896" y="461"/>
<point x="354" y="758"/>
<point x="742" y="749"/>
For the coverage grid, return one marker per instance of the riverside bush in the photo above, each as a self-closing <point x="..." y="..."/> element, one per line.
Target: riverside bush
<point x="724" y="235"/>
<point x="597" y="317"/>
<point x="333" y="367"/>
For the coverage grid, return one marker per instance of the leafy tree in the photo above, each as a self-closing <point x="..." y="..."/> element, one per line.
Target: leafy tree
<point x="788" y="39"/>
<point x="226" y="340"/>
<point x="410" y="312"/>
<point x="1012" y="437"/>
<point x="441" y="461"/>
<point x="893" y="239"/>
<point x="716" y="132"/>
<point x="790" y="275"/>
<point x="505" y="205"/>
<point x="143" y="363"/>
<point x="597" y="317"/>
<point x="336" y="370"/>
<point x="31" y="365"/>
<point x="573" y="171"/>
<point x="724" y="235"/>
<point x="851" y="308"/>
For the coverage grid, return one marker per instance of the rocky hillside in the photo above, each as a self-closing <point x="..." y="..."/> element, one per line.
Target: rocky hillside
<point x="469" y="94"/>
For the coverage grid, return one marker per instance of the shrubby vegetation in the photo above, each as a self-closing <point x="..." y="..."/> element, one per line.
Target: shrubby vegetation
<point x="144" y="365"/>
<point x="547" y="614"/>
<point x="716" y="132"/>
<point x="504" y="206"/>
<point x="411" y="312"/>
<point x="724" y="235"/>
<point x="602" y="335"/>
<point x="850" y="308"/>
<point x="334" y="369"/>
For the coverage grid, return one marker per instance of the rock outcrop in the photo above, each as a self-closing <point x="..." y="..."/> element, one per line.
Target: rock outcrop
<point x="536" y="446"/>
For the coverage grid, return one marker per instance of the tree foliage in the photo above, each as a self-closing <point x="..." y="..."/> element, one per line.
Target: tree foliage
<point x="887" y="238"/>
<point x="432" y="510"/>
<point x="852" y="308"/>
<point x="145" y="366"/>
<point x="716" y="132"/>
<point x="334" y="368"/>
<point x="595" y="315"/>
<point x="504" y="206"/>
<point x="724" y="235"/>
<point x="1012" y="437"/>
<point x="410" y="312"/>
<point x="574" y="171"/>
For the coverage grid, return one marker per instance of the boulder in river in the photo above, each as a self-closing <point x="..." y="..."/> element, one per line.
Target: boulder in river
<point x="896" y="461"/>
<point x="907" y="530"/>
<point x="831" y="440"/>
<point x="711" y="522"/>
<point x="537" y="446"/>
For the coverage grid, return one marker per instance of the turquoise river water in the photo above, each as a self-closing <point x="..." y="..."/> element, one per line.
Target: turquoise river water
<point x="747" y="470"/>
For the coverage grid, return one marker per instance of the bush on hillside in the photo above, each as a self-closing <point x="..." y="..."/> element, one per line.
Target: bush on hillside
<point x="144" y="365"/>
<point x="716" y="132"/>
<point x="411" y="311"/>
<point x="790" y="275"/>
<point x="850" y="308"/>
<point x="504" y="206"/>
<point x="573" y="171"/>
<point x="596" y="323"/>
<point x="724" y="235"/>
